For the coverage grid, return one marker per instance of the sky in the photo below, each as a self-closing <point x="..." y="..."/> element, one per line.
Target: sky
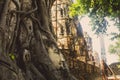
<point x="95" y="39"/>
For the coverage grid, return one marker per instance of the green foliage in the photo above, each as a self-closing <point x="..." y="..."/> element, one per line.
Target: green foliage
<point x="79" y="7"/>
<point x="112" y="49"/>
<point x="99" y="24"/>
<point x="115" y="35"/>
<point x="99" y="7"/>
<point x="115" y="49"/>
<point x="98" y="10"/>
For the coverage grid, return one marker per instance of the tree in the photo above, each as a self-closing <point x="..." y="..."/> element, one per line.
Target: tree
<point x="98" y="10"/>
<point x="115" y="49"/>
<point x="26" y="41"/>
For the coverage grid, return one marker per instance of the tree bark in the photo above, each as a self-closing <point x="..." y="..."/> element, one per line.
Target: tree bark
<point x="26" y="55"/>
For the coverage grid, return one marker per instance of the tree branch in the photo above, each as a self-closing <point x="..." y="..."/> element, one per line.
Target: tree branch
<point x="28" y="12"/>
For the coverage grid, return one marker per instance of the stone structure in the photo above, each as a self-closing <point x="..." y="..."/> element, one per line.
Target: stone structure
<point x="60" y="20"/>
<point x="102" y="45"/>
<point x="69" y="37"/>
<point x="68" y="31"/>
<point x="88" y="40"/>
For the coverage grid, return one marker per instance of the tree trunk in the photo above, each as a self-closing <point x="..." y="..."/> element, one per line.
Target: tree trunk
<point x="26" y="42"/>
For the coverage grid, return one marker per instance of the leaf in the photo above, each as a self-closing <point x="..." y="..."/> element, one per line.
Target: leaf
<point x="12" y="56"/>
